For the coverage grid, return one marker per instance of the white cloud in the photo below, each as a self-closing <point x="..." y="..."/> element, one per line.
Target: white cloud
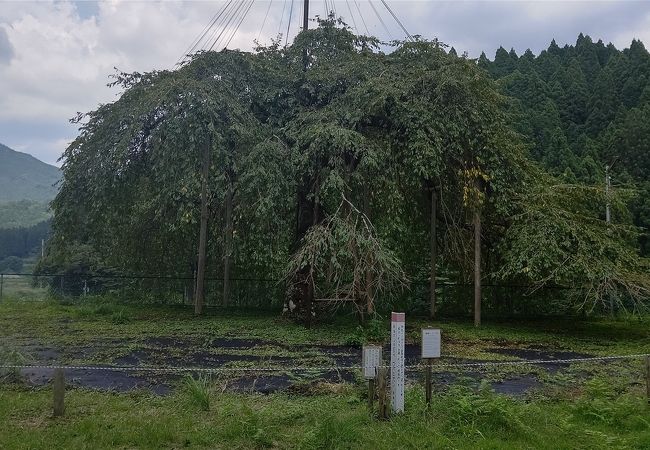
<point x="62" y="52"/>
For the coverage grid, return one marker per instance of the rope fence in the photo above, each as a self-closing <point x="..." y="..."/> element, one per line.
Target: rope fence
<point x="410" y="367"/>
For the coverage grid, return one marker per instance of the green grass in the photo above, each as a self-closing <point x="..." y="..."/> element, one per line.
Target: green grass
<point x="91" y="317"/>
<point x="460" y="418"/>
<point x="199" y="390"/>
<point x="585" y="406"/>
<point x="18" y="287"/>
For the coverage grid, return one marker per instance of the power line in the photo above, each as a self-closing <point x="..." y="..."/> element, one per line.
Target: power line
<point x="265" y="18"/>
<point x="250" y="5"/>
<point x="205" y="31"/>
<point x="397" y="19"/>
<point x="354" y="22"/>
<point x="218" y="29"/>
<point x="380" y="19"/>
<point x="362" y="18"/>
<point x="232" y="20"/>
<point x="284" y="6"/>
<point x="286" y="41"/>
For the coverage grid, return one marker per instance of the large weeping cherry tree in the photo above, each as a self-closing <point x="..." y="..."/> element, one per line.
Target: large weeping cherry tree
<point x="341" y="169"/>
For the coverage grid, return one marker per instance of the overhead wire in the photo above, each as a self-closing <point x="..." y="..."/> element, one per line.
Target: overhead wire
<point x="265" y="18"/>
<point x="399" y="22"/>
<point x="203" y="33"/>
<point x="224" y="24"/>
<point x="284" y="6"/>
<point x="232" y="20"/>
<point x="286" y="40"/>
<point x="380" y="19"/>
<point x="354" y="22"/>
<point x="250" y="5"/>
<point x="220" y="27"/>
<point x="362" y="18"/>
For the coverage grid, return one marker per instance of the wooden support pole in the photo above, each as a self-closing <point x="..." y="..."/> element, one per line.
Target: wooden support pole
<point x="382" y="392"/>
<point x="371" y="393"/>
<point x="647" y="378"/>
<point x="427" y="381"/>
<point x="227" y="259"/>
<point x="199" y="301"/>
<point x="433" y="243"/>
<point x="477" y="268"/>
<point x="59" y="392"/>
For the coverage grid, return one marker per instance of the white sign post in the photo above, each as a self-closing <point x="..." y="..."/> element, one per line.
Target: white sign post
<point x="397" y="344"/>
<point x="430" y="350"/>
<point x="370" y="361"/>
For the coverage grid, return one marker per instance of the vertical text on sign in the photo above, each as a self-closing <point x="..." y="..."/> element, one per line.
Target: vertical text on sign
<point x="371" y="360"/>
<point x="397" y="344"/>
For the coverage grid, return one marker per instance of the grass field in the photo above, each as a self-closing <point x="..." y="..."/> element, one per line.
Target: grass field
<point x="583" y="405"/>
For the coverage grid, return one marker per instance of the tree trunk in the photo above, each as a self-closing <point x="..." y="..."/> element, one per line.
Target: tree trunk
<point x="302" y="291"/>
<point x="477" y="268"/>
<point x="434" y="251"/>
<point x="228" y="245"/>
<point x="203" y="234"/>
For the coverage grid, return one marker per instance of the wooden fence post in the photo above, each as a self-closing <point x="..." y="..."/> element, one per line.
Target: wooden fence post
<point x="59" y="392"/>
<point x="427" y="380"/>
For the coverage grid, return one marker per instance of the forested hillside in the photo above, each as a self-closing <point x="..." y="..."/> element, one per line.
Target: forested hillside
<point x="27" y="186"/>
<point x="23" y="177"/>
<point x="583" y="107"/>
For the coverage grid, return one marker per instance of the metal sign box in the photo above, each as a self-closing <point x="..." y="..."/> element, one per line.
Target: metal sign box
<point x="431" y="343"/>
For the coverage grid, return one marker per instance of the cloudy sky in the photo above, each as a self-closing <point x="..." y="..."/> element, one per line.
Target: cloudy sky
<point x="56" y="55"/>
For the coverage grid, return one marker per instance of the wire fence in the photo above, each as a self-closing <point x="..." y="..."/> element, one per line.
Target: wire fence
<point x="453" y="298"/>
<point x="143" y="289"/>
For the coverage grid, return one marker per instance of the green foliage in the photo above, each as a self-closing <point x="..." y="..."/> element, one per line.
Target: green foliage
<point x="11" y="264"/>
<point x="23" y="213"/>
<point x="331" y="148"/>
<point x="473" y="413"/>
<point x="198" y="390"/>
<point x="582" y="107"/>
<point x="10" y="356"/>
<point x="374" y="331"/>
<point x="560" y="238"/>
<point x="24" y="241"/>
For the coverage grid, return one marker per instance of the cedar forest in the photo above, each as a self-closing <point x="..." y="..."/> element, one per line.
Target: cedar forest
<point x="352" y="173"/>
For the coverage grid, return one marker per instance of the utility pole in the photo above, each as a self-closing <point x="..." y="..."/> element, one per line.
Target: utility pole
<point x="608" y="187"/>
<point x="305" y="18"/>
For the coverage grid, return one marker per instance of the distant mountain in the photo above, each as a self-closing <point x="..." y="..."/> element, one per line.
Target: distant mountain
<point x="23" y="177"/>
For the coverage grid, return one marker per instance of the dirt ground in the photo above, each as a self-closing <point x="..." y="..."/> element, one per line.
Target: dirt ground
<point x="168" y="351"/>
